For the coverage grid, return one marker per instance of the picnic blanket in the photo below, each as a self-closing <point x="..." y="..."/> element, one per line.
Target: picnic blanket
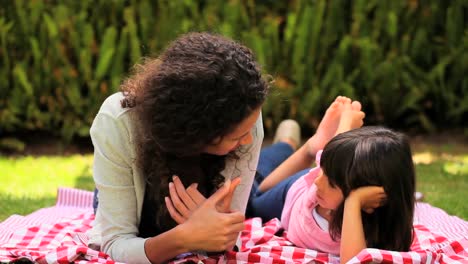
<point x="58" y="235"/>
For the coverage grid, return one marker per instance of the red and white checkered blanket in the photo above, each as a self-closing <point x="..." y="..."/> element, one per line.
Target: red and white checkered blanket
<point x="57" y="235"/>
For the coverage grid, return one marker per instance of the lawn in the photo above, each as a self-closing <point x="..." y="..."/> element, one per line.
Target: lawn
<point x="29" y="183"/>
<point x="442" y="175"/>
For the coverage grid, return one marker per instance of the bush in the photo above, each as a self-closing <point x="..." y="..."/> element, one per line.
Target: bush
<point x="406" y="60"/>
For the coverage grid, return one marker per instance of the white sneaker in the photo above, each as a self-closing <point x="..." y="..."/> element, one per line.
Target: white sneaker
<point x="290" y="129"/>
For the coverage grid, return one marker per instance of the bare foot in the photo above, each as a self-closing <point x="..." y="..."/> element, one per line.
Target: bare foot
<point x="328" y="126"/>
<point x="356" y="105"/>
<point x="351" y="117"/>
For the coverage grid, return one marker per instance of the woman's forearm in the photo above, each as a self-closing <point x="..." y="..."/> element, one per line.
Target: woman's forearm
<point x="167" y="245"/>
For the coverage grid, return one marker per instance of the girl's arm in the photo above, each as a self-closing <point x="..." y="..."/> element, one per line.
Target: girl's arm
<point x="352" y="232"/>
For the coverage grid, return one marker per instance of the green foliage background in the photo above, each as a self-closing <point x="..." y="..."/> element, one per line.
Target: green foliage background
<point x="406" y="60"/>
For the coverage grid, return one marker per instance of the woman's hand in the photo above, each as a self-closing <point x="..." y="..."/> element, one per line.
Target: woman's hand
<point x="213" y="226"/>
<point x="368" y="197"/>
<point x="183" y="202"/>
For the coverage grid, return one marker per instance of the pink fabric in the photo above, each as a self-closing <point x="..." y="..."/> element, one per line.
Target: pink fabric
<point x="297" y="217"/>
<point x="70" y="202"/>
<point x="52" y="235"/>
<point x="296" y="191"/>
<point x="39" y="238"/>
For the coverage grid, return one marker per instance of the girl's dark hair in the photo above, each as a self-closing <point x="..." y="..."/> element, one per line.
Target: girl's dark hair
<point x="374" y="156"/>
<point x="198" y="90"/>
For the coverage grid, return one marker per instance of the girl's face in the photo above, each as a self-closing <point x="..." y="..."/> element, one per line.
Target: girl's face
<point x="241" y="135"/>
<point x="328" y="197"/>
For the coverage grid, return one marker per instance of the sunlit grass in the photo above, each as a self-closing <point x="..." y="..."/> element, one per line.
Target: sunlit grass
<point x="29" y="183"/>
<point x="443" y="179"/>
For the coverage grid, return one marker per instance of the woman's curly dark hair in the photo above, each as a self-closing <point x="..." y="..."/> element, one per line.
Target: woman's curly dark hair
<point x="199" y="89"/>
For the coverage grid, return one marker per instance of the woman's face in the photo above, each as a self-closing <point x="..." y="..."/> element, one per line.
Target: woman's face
<point x="241" y="135"/>
<point x="328" y="197"/>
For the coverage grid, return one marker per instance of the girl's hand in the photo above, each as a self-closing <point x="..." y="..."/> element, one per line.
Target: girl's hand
<point x="183" y="202"/>
<point x="352" y="232"/>
<point x="212" y="230"/>
<point x="368" y="197"/>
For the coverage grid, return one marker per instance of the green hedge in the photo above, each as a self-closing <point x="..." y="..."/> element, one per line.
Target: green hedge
<point x="406" y="60"/>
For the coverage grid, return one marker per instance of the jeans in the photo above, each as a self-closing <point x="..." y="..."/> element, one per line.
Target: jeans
<point x="269" y="205"/>
<point x="95" y="200"/>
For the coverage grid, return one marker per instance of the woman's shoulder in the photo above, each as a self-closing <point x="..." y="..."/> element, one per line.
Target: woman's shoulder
<point x="113" y="118"/>
<point x="112" y="106"/>
<point x="113" y="129"/>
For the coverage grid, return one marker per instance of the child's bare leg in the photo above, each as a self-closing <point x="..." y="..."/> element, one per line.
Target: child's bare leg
<point x="304" y="156"/>
<point x="328" y="126"/>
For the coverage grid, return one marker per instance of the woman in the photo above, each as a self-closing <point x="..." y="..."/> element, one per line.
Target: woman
<point x="191" y="114"/>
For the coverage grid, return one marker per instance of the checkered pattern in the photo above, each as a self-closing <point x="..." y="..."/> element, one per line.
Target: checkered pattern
<point x="261" y="245"/>
<point x="47" y="236"/>
<point x="62" y="242"/>
<point x="52" y="235"/>
<point x="267" y="244"/>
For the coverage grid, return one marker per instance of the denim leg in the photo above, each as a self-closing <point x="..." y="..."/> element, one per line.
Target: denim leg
<point x="95" y="200"/>
<point x="271" y="157"/>
<point x="269" y="205"/>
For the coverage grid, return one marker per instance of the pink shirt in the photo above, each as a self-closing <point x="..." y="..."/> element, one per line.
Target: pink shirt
<point x="297" y="218"/>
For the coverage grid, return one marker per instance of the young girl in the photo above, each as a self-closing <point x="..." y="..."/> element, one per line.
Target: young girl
<point x="360" y="196"/>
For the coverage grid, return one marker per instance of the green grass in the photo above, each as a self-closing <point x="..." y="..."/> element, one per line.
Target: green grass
<point x="444" y="189"/>
<point x="442" y="176"/>
<point x="30" y="183"/>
